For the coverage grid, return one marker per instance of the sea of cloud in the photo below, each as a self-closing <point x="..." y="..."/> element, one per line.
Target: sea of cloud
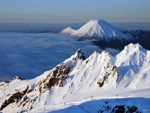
<point x="28" y="55"/>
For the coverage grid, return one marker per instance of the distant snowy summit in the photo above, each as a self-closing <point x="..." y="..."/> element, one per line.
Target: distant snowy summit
<point x="98" y="29"/>
<point x="68" y="30"/>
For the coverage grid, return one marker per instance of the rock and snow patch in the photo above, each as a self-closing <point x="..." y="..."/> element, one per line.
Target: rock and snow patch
<point x="78" y="79"/>
<point x="102" y="30"/>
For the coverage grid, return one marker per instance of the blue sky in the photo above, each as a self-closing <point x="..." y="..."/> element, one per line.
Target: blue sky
<point x="60" y="11"/>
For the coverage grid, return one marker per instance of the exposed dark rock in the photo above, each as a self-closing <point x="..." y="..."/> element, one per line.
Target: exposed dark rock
<point x="3" y="83"/>
<point x="80" y="55"/>
<point x="104" y="108"/>
<point x="13" y="98"/>
<point x="112" y="71"/>
<point x="101" y="81"/>
<point x="131" y="109"/>
<point x="29" y="91"/>
<point x="16" y="77"/>
<point x="118" y="109"/>
<point x="86" y="61"/>
<point x="58" y="75"/>
<point x="55" y="78"/>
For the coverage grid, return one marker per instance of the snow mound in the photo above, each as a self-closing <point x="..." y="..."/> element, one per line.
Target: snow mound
<point x="100" y="29"/>
<point x="79" y="79"/>
<point x="68" y="30"/>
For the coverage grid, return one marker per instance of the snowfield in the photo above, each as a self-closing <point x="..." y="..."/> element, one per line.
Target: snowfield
<point x="99" y="83"/>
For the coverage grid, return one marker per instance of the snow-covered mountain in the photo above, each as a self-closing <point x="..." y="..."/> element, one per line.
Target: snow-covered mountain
<point x="68" y="30"/>
<point x="100" y="29"/>
<point x="79" y="79"/>
<point x="134" y="64"/>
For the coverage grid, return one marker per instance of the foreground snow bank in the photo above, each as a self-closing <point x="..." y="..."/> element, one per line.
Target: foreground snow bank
<point x="120" y="105"/>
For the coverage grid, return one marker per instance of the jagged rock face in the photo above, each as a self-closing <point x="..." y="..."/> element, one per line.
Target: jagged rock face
<point x="79" y="55"/>
<point x="111" y="72"/>
<point x="16" y="77"/>
<point x="13" y="92"/>
<point x="15" y="97"/>
<point x="55" y="78"/>
<point x="59" y="74"/>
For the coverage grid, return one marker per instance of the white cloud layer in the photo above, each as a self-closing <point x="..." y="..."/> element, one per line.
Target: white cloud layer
<point x="30" y="54"/>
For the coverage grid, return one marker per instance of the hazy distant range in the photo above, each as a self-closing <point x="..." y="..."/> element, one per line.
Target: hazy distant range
<point x="56" y="27"/>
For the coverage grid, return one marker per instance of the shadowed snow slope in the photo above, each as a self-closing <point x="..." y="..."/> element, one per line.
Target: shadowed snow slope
<point x="78" y="80"/>
<point x="100" y="29"/>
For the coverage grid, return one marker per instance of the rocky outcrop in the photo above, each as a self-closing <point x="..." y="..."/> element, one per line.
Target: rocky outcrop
<point x="16" y="97"/>
<point x="111" y="72"/>
<point x="55" y="78"/>
<point x="59" y="74"/>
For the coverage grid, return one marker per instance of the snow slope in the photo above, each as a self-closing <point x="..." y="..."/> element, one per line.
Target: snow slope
<point x="100" y="29"/>
<point x="68" y="30"/>
<point x="79" y="79"/>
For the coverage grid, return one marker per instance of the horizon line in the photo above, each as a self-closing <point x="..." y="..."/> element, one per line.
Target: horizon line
<point x="59" y="22"/>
